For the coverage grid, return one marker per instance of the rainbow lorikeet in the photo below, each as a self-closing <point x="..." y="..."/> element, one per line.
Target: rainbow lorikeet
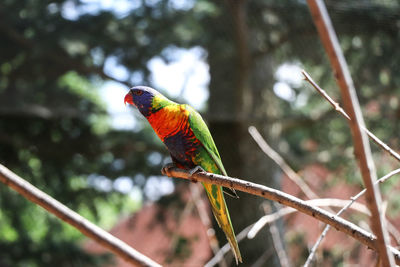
<point x="190" y="144"/>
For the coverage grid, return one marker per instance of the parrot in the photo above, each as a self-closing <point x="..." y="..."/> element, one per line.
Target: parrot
<point x="190" y="144"/>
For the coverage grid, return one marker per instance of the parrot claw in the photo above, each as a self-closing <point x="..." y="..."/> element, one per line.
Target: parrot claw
<point x="165" y="170"/>
<point x="196" y="169"/>
<point x="193" y="171"/>
<point x="230" y="192"/>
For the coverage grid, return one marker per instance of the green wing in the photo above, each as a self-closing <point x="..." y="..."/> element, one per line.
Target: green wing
<point x="203" y="134"/>
<point x="214" y="192"/>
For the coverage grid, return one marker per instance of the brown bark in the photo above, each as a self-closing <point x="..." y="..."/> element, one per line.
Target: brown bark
<point x="237" y="100"/>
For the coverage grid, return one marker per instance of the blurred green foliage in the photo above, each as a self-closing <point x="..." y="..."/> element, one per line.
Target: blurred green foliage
<point x="54" y="128"/>
<point x="55" y="131"/>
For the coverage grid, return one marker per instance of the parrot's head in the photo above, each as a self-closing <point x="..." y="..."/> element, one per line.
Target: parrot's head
<point x="142" y="97"/>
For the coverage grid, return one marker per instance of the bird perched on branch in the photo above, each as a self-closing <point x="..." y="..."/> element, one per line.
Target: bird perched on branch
<point x="190" y="145"/>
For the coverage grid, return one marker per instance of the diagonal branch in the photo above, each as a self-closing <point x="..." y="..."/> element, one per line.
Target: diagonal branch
<point x="87" y="228"/>
<point x="337" y="107"/>
<point x="281" y="163"/>
<point x="320" y="202"/>
<point x="276" y="238"/>
<point x="227" y="247"/>
<point x="361" y="144"/>
<point x="205" y="219"/>
<point x="340" y="224"/>
<point x="252" y="230"/>
<point x="384" y="146"/>
<point x="344" y="204"/>
<point x="353" y="199"/>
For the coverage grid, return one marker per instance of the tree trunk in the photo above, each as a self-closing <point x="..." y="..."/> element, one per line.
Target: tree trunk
<point x="240" y="96"/>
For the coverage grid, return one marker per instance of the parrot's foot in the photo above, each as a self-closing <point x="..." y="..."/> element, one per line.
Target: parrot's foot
<point x="230" y="192"/>
<point x="196" y="169"/>
<point x="193" y="171"/>
<point x="166" y="169"/>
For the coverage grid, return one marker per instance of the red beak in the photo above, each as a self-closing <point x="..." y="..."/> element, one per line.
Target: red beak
<point x="128" y="99"/>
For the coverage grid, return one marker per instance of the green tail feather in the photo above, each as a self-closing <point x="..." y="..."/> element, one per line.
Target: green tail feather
<point x="221" y="214"/>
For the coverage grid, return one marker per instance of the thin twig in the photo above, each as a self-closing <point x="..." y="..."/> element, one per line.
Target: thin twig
<point x="205" y="219"/>
<point x="337" y="107"/>
<point x="340" y="224"/>
<point x="226" y="248"/>
<point x="281" y="163"/>
<point x="353" y="199"/>
<point x="276" y="239"/>
<point x="260" y="262"/>
<point x="252" y="230"/>
<point x="394" y="232"/>
<point x="291" y="174"/>
<point x="87" y="228"/>
<point x="361" y="144"/>
<point x="380" y="143"/>
<point x="187" y="210"/>
<point x="320" y="202"/>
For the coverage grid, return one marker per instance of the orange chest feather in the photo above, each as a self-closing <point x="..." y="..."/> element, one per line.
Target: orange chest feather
<point x="169" y="120"/>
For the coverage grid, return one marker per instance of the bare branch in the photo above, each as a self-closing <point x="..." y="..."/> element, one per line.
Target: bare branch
<point x="252" y="230"/>
<point x="226" y="248"/>
<point x="187" y="210"/>
<point x="337" y="107"/>
<point x="276" y="239"/>
<point x="361" y="144"/>
<point x="340" y="224"/>
<point x="205" y="219"/>
<point x="384" y="146"/>
<point x="353" y="199"/>
<point x="261" y="261"/>
<point x="281" y="163"/>
<point x="321" y="202"/>
<point x="87" y="228"/>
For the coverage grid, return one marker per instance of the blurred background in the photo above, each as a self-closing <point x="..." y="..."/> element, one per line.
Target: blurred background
<point x="66" y="65"/>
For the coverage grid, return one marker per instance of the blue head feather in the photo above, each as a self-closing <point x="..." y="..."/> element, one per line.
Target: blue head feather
<point x="142" y="98"/>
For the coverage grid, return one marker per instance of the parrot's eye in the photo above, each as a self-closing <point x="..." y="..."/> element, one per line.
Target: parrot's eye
<point x="138" y="92"/>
